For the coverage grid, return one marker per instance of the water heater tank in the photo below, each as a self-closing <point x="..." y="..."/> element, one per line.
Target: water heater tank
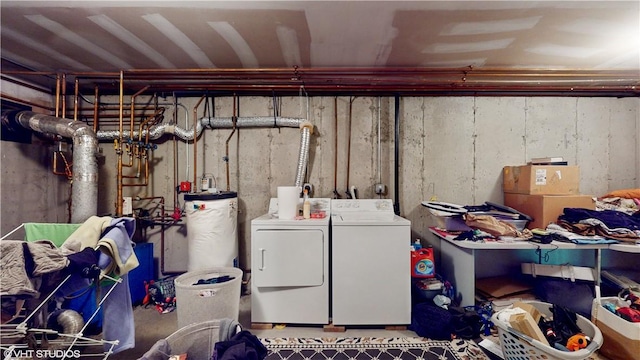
<point x="212" y="230"/>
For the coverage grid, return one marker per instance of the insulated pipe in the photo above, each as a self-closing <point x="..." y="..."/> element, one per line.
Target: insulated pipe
<point x="85" y="164"/>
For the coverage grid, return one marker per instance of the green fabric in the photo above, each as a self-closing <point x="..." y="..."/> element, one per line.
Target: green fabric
<point x="56" y="233"/>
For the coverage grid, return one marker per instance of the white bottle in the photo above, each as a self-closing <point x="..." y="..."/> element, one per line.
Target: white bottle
<point x="306" y="206"/>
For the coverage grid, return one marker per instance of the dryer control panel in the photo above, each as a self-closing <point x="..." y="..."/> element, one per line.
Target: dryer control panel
<point x="317" y="204"/>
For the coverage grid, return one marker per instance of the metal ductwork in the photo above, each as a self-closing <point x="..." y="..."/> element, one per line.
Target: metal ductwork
<point x="303" y="156"/>
<point x="85" y="147"/>
<point x="157" y="131"/>
<point x="85" y="164"/>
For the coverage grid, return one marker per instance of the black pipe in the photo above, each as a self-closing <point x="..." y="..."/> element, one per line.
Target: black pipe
<point x="396" y="157"/>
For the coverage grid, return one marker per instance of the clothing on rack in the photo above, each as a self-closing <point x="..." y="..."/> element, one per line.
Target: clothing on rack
<point x="15" y="280"/>
<point x="117" y="256"/>
<point x="87" y="235"/>
<point x="22" y="262"/>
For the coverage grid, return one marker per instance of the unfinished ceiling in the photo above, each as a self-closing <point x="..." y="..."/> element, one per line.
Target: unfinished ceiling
<point x="110" y="36"/>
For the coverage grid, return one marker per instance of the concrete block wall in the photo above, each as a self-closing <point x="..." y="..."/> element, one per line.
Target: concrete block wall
<point x="29" y="190"/>
<point x="451" y="149"/>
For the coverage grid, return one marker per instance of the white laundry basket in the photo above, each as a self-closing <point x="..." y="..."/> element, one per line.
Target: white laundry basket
<point x="196" y="340"/>
<point x="198" y="303"/>
<point x="517" y="346"/>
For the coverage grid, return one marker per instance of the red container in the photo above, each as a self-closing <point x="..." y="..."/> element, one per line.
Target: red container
<point x="422" y="263"/>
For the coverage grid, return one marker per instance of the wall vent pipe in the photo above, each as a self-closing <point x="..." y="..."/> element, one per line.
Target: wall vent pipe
<point x="85" y="164"/>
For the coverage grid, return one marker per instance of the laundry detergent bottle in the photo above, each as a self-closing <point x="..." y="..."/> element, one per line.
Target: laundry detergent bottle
<point x="422" y="263"/>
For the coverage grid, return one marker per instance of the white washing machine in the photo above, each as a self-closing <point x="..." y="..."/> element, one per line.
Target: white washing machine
<point x="371" y="263"/>
<point x="290" y="267"/>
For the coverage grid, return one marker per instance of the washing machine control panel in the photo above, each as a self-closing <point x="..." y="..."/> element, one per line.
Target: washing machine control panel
<point x="362" y="205"/>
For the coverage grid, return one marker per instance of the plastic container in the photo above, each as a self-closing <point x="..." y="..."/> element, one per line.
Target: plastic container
<point x="196" y="340"/>
<point x="422" y="263"/>
<point x="198" y="303"/>
<point x="517" y="346"/>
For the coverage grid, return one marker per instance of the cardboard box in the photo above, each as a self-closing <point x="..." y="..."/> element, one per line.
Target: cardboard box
<point x="525" y="324"/>
<point x="541" y="179"/>
<point x="545" y="209"/>
<point x="621" y="338"/>
<point x="532" y="310"/>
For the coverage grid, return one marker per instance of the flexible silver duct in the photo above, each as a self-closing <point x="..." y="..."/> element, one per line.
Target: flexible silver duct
<point x="158" y="131"/>
<point x="70" y="321"/>
<point x="303" y="155"/>
<point x="85" y="164"/>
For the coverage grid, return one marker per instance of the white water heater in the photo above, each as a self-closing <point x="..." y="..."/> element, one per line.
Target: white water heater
<point x="212" y="230"/>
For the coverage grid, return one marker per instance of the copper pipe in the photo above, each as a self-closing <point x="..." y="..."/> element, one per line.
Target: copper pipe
<point x="234" y="118"/>
<point x="133" y="100"/>
<point x="195" y="141"/>
<point x="414" y="77"/>
<point x="175" y="154"/>
<point x="95" y="75"/>
<point x="131" y="128"/>
<point x="335" y="146"/>
<point x="57" y="95"/>
<point x="139" y="152"/>
<point x="67" y="169"/>
<point x="118" y="147"/>
<point x="96" y="107"/>
<point x="75" y="99"/>
<point x="64" y="96"/>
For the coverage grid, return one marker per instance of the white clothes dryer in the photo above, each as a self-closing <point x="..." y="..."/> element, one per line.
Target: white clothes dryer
<point x="290" y="267"/>
<point x="371" y="263"/>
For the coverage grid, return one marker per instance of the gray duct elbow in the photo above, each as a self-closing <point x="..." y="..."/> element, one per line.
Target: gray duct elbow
<point x="85" y="164"/>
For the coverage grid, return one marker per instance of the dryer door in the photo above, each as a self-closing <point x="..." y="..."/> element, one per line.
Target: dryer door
<point x="287" y="257"/>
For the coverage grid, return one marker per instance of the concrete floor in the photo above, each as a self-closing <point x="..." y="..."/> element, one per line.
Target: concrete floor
<point x="152" y="326"/>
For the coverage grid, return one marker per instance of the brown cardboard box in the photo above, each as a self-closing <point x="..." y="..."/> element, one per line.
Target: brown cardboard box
<point x="535" y="313"/>
<point x="525" y="324"/>
<point x="541" y="179"/>
<point x="545" y="209"/>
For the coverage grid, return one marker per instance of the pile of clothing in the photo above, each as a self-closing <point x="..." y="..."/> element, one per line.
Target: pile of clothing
<point x="610" y="224"/>
<point x="627" y="307"/>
